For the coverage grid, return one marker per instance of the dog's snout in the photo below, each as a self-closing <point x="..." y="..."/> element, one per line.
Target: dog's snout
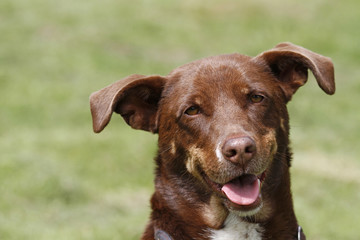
<point x="239" y="150"/>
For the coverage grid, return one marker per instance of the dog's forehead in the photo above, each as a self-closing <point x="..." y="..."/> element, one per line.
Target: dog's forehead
<point x="218" y="72"/>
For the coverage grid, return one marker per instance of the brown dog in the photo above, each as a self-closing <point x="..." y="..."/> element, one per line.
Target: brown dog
<point x="223" y="159"/>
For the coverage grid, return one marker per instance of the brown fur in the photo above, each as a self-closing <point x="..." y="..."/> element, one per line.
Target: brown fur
<point x="191" y="160"/>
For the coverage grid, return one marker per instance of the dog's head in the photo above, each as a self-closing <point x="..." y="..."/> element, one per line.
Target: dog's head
<point x="221" y="120"/>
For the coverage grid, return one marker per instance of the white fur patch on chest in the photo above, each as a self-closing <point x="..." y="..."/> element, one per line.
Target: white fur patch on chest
<point x="236" y="229"/>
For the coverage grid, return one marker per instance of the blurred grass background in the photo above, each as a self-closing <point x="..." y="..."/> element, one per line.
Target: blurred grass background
<point x="58" y="180"/>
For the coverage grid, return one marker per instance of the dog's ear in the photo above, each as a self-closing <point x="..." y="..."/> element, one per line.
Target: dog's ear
<point x="290" y="64"/>
<point x="135" y="98"/>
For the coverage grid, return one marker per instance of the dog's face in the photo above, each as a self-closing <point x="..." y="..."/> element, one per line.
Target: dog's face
<point x="224" y="118"/>
<point x="222" y="121"/>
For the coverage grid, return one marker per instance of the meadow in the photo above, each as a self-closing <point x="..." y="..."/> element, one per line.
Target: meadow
<point x="59" y="180"/>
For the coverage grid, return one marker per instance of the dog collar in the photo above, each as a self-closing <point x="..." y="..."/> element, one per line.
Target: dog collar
<point x="162" y="235"/>
<point x="300" y="234"/>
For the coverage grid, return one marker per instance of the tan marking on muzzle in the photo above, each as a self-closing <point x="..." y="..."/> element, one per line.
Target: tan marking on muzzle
<point x="270" y="140"/>
<point x="195" y="155"/>
<point x="266" y="150"/>
<point x="214" y="213"/>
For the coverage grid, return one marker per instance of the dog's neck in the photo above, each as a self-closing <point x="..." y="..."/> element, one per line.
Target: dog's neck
<point x="187" y="208"/>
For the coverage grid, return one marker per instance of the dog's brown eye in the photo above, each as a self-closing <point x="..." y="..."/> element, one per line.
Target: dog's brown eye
<point x="193" y="110"/>
<point x="256" y="98"/>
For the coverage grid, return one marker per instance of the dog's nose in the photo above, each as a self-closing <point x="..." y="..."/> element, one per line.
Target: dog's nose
<point x="239" y="150"/>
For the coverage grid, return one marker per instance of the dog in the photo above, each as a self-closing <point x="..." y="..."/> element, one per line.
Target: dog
<point x="222" y="167"/>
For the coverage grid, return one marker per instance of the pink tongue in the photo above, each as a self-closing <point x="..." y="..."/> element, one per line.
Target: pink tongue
<point x="243" y="191"/>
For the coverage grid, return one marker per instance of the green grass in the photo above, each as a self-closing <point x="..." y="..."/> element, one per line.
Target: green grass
<point x="58" y="180"/>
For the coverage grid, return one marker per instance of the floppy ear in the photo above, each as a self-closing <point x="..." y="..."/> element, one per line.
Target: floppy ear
<point x="290" y="64"/>
<point x="135" y="98"/>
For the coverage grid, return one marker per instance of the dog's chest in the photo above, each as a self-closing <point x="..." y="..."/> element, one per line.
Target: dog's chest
<point x="235" y="229"/>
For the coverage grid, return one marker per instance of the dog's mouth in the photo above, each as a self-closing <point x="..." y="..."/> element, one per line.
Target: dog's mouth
<point x="243" y="192"/>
